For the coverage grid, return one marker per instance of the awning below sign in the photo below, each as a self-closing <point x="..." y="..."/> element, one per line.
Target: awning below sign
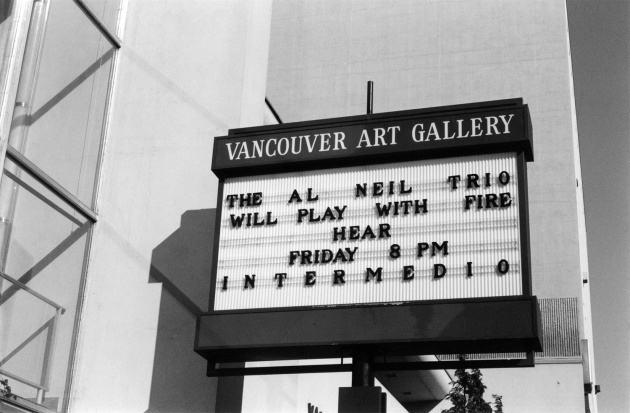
<point x="486" y="325"/>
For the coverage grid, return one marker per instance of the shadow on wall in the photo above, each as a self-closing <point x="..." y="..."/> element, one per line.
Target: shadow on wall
<point x="182" y="263"/>
<point x="6" y="10"/>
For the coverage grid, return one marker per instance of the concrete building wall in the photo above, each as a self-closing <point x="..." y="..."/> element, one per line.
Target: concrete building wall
<point x="547" y="388"/>
<point x="185" y="75"/>
<point x="425" y="54"/>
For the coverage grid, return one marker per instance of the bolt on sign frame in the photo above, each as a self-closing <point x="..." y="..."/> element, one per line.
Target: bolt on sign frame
<point x="390" y="234"/>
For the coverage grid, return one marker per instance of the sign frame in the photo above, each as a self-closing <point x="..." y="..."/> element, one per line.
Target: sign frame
<point x="219" y="346"/>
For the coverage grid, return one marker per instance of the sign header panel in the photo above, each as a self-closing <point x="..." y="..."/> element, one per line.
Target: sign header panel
<point x="398" y="136"/>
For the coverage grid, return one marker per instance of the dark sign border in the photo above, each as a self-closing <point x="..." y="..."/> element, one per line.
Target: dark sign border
<point x="519" y="140"/>
<point x="218" y="347"/>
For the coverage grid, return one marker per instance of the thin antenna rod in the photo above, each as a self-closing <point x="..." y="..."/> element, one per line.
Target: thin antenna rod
<point x="370" y="97"/>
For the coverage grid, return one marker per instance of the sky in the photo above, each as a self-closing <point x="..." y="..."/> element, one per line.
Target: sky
<point x="600" y="50"/>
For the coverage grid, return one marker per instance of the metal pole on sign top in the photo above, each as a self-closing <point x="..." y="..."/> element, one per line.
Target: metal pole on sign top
<point x="370" y="97"/>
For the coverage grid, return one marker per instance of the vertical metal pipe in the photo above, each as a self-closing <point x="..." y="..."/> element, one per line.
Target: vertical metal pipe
<point x="50" y="353"/>
<point x="20" y="122"/>
<point x="28" y="74"/>
<point x="370" y="97"/>
<point x="362" y="370"/>
<point x="19" y="127"/>
<point x="40" y="396"/>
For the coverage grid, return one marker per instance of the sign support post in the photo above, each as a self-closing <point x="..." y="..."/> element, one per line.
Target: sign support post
<point x="363" y="370"/>
<point x="363" y="396"/>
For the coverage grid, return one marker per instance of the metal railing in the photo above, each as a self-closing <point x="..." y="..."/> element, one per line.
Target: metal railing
<point x="51" y="326"/>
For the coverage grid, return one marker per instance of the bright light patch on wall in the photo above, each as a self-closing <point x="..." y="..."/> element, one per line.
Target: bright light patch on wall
<point x="412" y="231"/>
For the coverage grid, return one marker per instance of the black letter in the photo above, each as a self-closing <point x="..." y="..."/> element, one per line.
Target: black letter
<point x="256" y="222"/>
<point x="295" y="196"/>
<point x="377" y="189"/>
<point x="377" y="274"/>
<point x="301" y="214"/>
<point x="237" y="221"/>
<point x="329" y="215"/>
<point x="306" y="257"/>
<point x="311" y="218"/>
<point x="339" y="274"/>
<point x="245" y="200"/>
<point x="408" y="272"/>
<point x="423" y="206"/>
<point x="406" y="204"/>
<point x="506" y="201"/>
<point x="394" y="251"/>
<point x="231" y="199"/>
<point x="469" y="269"/>
<point x="383" y="230"/>
<point x="472" y="180"/>
<point x="368" y="231"/>
<point x="436" y="271"/>
<point x="224" y="283"/>
<point x="361" y="189"/>
<point x="402" y="188"/>
<point x="310" y="195"/>
<point x="443" y="248"/>
<point x="310" y="278"/>
<point x="351" y="253"/>
<point x="422" y="246"/>
<point x="503" y="267"/>
<point x="384" y="210"/>
<point x="257" y="198"/>
<point x="469" y="200"/>
<point x="292" y="256"/>
<point x="504" y="177"/>
<point x="491" y="200"/>
<point x="280" y="277"/>
<point x="337" y="233"/>
<point x="250" y="280"/>
<point x="269" y="222"/>
<point x="340" y="211"/>
<point x="454" y="179"/>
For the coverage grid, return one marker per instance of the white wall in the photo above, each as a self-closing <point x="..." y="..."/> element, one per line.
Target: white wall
<point x="187" y="72"/>
<point x="547" y="388"/>
<point x="424" y="54"/>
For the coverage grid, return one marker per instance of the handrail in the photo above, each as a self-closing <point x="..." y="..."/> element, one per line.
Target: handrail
<point x="102" y="27"/>
<point x="40" y="176"/>
<point x="21" y="380"/>
<point x="31" y="291"/>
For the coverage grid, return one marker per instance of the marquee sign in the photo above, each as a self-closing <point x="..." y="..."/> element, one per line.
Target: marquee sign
<point x="418" y="210"/>
<point x="406" y="231"/>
